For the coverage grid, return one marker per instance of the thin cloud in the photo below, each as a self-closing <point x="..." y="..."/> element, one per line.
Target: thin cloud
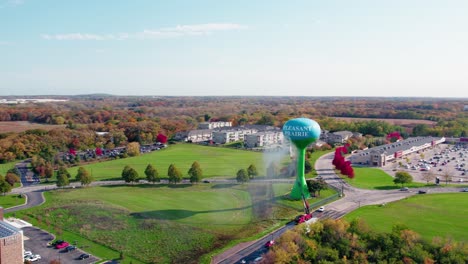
<point x="5" y="43"/>
<point x="170" y="32"/>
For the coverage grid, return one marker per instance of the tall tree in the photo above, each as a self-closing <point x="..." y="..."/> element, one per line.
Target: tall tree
<point x="152" y="174"/>
<point x="62" y="180"/>
<point x="242" y="176"/>
<point x="84" y="177"/>
<point x="195" y="172"/>
<point x="62" y="170"/>
<point x="174" y="174"/>
<point x="428" y="176"/>
<point x="402" y="177"/>
<point x="5" y="187"/>
<point x="447" y="176"/>
<point x="133" y="149"/>
<point x="129" y="174"/>
<point x="252" y="171"/>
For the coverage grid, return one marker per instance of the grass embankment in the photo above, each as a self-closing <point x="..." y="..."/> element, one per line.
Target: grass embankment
<point x="153" y="223"/>
<point x="4" y="167"/>
<point x="214" y="161"/>
<point x="8" y="201"/>
<point x="443" y="215"/>
<point x="376" y="179"/>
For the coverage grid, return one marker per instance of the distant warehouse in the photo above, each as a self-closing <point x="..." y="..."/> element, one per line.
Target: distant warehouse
<point x="381" y="155"/>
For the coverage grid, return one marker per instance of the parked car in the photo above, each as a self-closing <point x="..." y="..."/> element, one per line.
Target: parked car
<point x="57" y="242"/>
<point x="32" y="258"/>
<point x="321" y="209"/>
<point x="84" y="256"/>
<point x="62" y="245"/>
<point x="26" y="253"/>
<point x="70" y="248"/>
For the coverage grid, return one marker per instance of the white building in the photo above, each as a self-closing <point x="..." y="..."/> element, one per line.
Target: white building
<point x="232" y="135"/>
<point x="213" y="125"/>
<point x="198" y="135"/>
<point x="263" y="139"/>
<point x="381" y="155"/>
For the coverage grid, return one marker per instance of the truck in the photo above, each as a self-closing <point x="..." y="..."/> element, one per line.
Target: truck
<point x="307" y="214"/>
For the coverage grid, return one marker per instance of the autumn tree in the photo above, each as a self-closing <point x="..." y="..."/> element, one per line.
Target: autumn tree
<point x="152" y="174"/>
<point x="252" y="171"/>
<point x="11" y="178"/>
<point x="447" y="176"/>
<point x="242" y="176"/>
<point x="62" y="170"/>
<point x="174" y="174"/>
<point x="5" y="187"/>
<point x="62" y="179"/>
<point x="428" y="176"/>
<point x="195" y="172"/>
<point x="133" y="149"/>
<point x="402" y="177"/>
<point x="84" y="177"/>
<point x="129" y="174"/>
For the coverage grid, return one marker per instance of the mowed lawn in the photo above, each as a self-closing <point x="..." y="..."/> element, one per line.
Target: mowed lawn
<point x="151" y="223"/>
<point x="8" y="201"/>
<point x="372" y="178"/>
<point x="214" y="161"/>
<point x="6" y="166"/>
<point x="431" y="215"/>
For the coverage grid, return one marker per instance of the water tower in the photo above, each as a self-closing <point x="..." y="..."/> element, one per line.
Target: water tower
<point x="301" y="132"/>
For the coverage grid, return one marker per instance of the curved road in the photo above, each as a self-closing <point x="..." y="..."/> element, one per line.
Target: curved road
<point x="353" y="198"/>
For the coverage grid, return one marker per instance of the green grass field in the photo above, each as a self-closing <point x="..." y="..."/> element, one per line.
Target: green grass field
<point x="214" y="161"/>
<point x="6" y="166"/>
<point x="153" y="222"/>
<point x="8" y="201"/>
<point x="443" y="215"/>
<point x="372" y="178"/>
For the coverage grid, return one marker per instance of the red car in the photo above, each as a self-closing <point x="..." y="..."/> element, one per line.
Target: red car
<point x="269" y="244"/>
<point x="62" y="245"/>
<point x="303" y="218"/>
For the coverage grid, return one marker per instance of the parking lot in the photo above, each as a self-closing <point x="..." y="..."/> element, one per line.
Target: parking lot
<point x="37" y="240"/>
<point x="440" y="160"/>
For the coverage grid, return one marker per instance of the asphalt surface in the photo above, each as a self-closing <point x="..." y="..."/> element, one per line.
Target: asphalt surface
<point x="36" y="241"/>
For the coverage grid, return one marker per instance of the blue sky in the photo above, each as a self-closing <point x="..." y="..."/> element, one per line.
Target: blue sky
<point x="297" y="48"/>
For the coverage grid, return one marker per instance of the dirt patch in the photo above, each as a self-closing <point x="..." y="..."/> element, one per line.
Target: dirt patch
<point x="398" y="122"/>
<point x="21" y="126"/>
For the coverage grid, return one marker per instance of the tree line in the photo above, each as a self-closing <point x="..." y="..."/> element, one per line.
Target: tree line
<point x="340" y="241"/>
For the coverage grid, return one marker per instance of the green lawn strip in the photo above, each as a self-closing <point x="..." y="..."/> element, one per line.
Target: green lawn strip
<point x="214" y="161"/>
<point x="443" y="215"/>
<point x="156" y="223"/>
<point x="8" y="201"/>
<point x="282" y="190"/>
<point x="4" y="167"/>
<point x="377" y="179"/>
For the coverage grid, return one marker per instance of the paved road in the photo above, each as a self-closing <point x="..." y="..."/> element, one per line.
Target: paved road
<point x="353" y="198"/>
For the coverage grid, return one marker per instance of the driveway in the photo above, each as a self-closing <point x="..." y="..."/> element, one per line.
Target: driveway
<point x="36" y="241"/>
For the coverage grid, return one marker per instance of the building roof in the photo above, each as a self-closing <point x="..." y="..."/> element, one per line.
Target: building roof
<point x="7" y="230"/>
<point x="399" y="146"/>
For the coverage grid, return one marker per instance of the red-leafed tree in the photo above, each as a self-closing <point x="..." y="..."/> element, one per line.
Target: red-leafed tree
<point x="161" y="138"/>
<point x="341" y="164"/>
<point x="72" y="151"/>
<point x="98" y="151"/>
<point x="394" y="136"/>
